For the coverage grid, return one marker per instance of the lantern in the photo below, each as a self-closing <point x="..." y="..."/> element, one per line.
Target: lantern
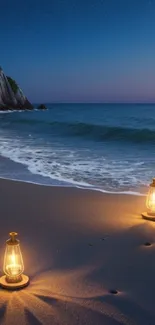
<point x="150" y="202"/>
<point x="13" y="265"/>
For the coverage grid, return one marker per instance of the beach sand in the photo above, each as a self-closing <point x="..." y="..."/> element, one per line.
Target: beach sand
<point x="85" y="254"/>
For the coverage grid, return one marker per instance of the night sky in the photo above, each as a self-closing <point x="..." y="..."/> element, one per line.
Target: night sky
<point x="80" y="51"/>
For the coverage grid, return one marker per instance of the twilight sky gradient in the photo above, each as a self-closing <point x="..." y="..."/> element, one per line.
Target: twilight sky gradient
<point x="80" y="50"/>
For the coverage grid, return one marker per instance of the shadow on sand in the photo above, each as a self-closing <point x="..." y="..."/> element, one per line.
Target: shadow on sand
<point x="76" y="287"/>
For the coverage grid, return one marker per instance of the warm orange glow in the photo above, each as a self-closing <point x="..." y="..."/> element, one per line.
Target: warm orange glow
<point x="150" y="202"/>
<point x="13" y="266"/>
<point x="13" y="262"/>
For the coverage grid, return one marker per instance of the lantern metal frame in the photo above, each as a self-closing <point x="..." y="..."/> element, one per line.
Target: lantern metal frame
<point x="14" y="282"/>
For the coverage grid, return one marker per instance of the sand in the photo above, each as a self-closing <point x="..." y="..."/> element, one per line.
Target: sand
<point x="85" y="254"/>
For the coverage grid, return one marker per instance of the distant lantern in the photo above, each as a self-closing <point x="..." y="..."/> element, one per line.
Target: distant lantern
<point x="150" y="202"/>
<point x="13" y="265"/>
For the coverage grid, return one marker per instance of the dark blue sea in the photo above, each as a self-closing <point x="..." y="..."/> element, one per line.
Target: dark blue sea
<point x="110" y="147"/>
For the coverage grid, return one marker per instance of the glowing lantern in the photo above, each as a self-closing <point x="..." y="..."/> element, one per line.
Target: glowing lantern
<point x="13" y="266"/>
<point x="150" y="202"/>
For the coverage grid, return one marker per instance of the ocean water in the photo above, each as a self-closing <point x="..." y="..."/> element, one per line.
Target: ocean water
<point x="110" y="147"/>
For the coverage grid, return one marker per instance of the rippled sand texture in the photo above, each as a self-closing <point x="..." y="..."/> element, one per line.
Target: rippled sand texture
<point x="90" y="257"/>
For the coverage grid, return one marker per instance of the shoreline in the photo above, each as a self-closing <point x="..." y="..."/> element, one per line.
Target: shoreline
<point x="54" y="167"/>
<point x="132" y="193"/>
<point x="23" y="174"/>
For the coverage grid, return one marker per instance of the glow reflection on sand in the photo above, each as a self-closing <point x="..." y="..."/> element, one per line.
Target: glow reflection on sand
<point x="47" y="297"/>
<point x="60" y="297"/>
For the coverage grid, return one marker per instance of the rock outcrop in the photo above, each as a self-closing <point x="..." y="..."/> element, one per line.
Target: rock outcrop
<point x="11" y="96"/>
<point x="42" y="106"/>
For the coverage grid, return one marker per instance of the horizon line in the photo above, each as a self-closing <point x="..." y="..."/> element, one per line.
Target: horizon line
<point x="99" y="103"/>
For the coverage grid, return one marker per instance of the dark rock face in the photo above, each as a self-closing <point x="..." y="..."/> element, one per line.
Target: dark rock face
<point x="11" y="96"/>
<point x="42" y="106"/>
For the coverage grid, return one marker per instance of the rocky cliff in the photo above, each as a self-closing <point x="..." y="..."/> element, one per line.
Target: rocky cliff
<point x="11" y="96"/>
